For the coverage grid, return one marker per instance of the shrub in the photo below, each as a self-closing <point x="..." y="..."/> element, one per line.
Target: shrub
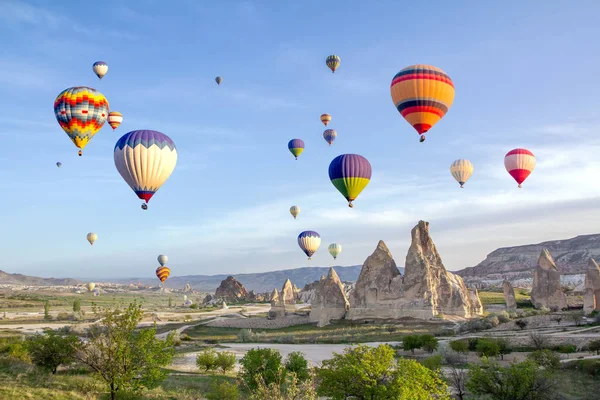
<point x="63" y="316"/>
<point x="521" y="323"/>
<point x="538" y="340"/>
<point x="195" y="307"/>
<point x="567" y="349"/>
<point x="18" y="351"/>
<point x="429" y="343"/>
<point x="594" y="346"/>
<point x="504" y="347"/>
<point x="261" y="365"/>
<point x="223" y="390"/>
<point x="50" y="350"/>
<point x="76" y="305"/>
<point x="296" y="363"/>
<point x="590" y="367"/>
<point x="545" y="358"/>
<point x="225" y="361"/>
<point x="503" y="317"/>
<point x="207" y="359"/>
<point x="245" y="335"/>
<point x="289" y="339"/>
<point x="433" y="363"/>
<point x="459" y="346"/>
<point x="473" y="344"/>
<point x="488" y="348"/>
<point x="493" y="321"/>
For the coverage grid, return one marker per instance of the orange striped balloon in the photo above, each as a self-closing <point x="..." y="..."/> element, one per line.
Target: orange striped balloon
<point x="162" y="273"/>
<point x="114" y="119"/>
<point x="422" y="94"/>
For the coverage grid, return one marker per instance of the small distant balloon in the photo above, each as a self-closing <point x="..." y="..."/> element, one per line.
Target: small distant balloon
<point x="114" y="119"/>
<point x="520" y="164"/>
<point x="335" y="249"/>
<point x="59" y="164"/>
<point x="329" y="135"/>
<point x="325" y="119"/>
<point x="100" y="68"/>
<point x="218" y="79"/>
<point x="90" y="286"/>
<point x="92" y="237"/>
<point x="294" y="210"/>
<point x="350" y="174"/>
<point x="461" y="170"/>
<point x="309" y="242"/>
<point x="162" y="260"/>
<point x="333" y="62"/>
<point x="296" y="147"/>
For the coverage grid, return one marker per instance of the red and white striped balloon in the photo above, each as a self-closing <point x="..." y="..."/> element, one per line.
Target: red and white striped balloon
<point x="519" y="163"/>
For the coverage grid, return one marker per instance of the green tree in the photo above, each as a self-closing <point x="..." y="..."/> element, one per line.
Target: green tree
<point x="225" y="361"/>
<point x="519" y="381"/>
<point x="47" y="315"/>
<point x="124" y="358"/>
<point x="411" y="342"/>
<point x="51" y="350"/>
<point x="296" y="363"/>
<point x="594" y="346"/>
<point x="459" y="346"/>
<point x="504" y="347"/>
<point x="223" y="390"/>
<point x="545" y="358"/>
<point x="487" y="348"/>
<point x="429" y="343"/>
<point x="261" y="365"/>
<point x="365" y="372"/>
<point x="170" y="302"/>
<point x="207" y="359"/>
<point x="434" y="363"/>
<point x="76" y="305"/>
<point x="567" y="349"/>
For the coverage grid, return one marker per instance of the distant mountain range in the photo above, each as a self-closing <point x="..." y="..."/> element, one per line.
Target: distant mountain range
<point x="259" y="282"/>
<point x="19" y="279"/>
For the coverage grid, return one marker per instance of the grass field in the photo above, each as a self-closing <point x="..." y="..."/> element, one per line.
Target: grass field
<point x="497" y="297"/>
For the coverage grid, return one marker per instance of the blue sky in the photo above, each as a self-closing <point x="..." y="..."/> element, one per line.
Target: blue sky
<point x="524" y="72"/>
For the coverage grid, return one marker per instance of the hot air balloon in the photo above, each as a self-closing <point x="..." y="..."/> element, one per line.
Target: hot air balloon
<point x="461" y="170"/>
<point x="335" y="249"/>
<point x="422" y="94"/>
<point x="218" y="79"/>
<point x="145" y="159"/>
<point x="162" y="260"/>
<point x="162" y="273"/>
<point x="294" y="210"/>
<point x="114" y="119"/>
<point x="325" y="119"/>
<point x="96" y="292"/>
<point x="519" y="163"/>
<point x="309" y="242"/>
<point x="92" y="237"/>
<point x="333" y="62"/>
<point x="81" y="112"/>
<point x="329" y="135"/>
<point x="90" y="286"/>
<point x="350" y="174"/>
<point x="100" y="68"/>
<point x="296" y="147"/>
<point x="184" y="297"/>
<point x="59" y="164"/>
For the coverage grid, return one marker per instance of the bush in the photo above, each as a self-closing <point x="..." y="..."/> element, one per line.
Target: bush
<point x="488" y="348"/>
<point x="594" y="346"/>
<point x="411" y="342"/>
<point x="504" y="347"/>
<point x="63" y="316"/>
<point x="296" y="363"/>
<point x="289" y="339"/>
<point x="261" y="365"/>
<point x="76" y="305"/>
<point x="245" y="335"/>
<point x="433" y="363"/>
<point x="18" y="351"/>
<point x="473" y="344"/>
<point x="225" y="361"/>
<point x="459" y="346"/>
<point x="493" y="321"/>
<point x="429" y="343"/>
<point x="521" y="323"/>
<point x="567" y="349"/>
<point x="50" y="350"/>
<point x="545" y="358"/>
<point x="590" y="367"/>
<point x="503" y="317"/>
<point x="223" y="390"/>
<point x="195" y="307"/>
<point x="538" y="340"/>
<point x="207" y="359"/>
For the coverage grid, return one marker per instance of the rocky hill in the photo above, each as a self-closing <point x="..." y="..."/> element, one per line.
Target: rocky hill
<point x="25" y="280"/>
<point x="517" y="263"/>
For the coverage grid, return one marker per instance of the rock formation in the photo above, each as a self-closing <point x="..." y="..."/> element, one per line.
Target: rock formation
<point x="287" y="296"/>
<point x="187" y="288"/>
<point x="207" y="299"/>
<point x="231" y="290"/>
<point x="476" y="305"/>
<point x="547" y="290"/>
<point x="591" y="292"/>
<point x="296" y="292"/>
<point x="277" y="308"/>
<point x="509" y="295"/>
<point x="329" y="301"/>
<point x="426" y="289"/>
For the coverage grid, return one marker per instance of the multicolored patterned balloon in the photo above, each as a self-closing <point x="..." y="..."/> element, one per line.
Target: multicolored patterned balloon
<point x="100" y="68"/>
<point x="350" y="174"/>
<point x="422" y="94"/>
<point x="162" y="273"/>
<point x="325" y="119"/>
<point x="335" y="250"/>
<point x="309" y="242"/>
<point x="329" y="135"/>
<point x="145" y="159"/>
<point x="520" y="164"/>
<point x="81" y="112"/>
<point x="333" y="62"/>
<point x="461" y="170"/>
<point x="91" y="237"/>
<point x="114" y="119"/>
<point x="294" y="210"/>
<point x="296" y="147"/>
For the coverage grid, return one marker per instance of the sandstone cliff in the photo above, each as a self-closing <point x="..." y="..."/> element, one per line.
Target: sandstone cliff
<point x="330" y="301"/>
<point x="231" y="290"/>
<point x="547" y="290"/>
<point x="591" y="293"/>
<point x="426" y="290"/>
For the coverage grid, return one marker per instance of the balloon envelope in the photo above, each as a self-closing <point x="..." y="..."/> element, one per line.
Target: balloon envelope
<point x="145" y="159"/>
<point x="350" y="174"/>
<point x="90" y="286"/>
<point x="114" y="119"/>
<point x="81" y="112"/>
<point x="333" y="62"/>
<point x="162" y="260"/>
<point x="461" y="170"/>
<point x="162" y="273"/>
<point x="329" y="135"/>
<point x="309" y="242"/>
<point x="422" y="94"/>
<point x="520" y="164"/>
<point x="296" y="147"/>
<point x="92" y="237"/>
<point x="218" y="79"/>
<point x="100" y="68"/>
<point x="294" y="210"/>
<point x="335" y="249"/>
<point x="325" y="119"/>
<point x="58" y="164"/>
